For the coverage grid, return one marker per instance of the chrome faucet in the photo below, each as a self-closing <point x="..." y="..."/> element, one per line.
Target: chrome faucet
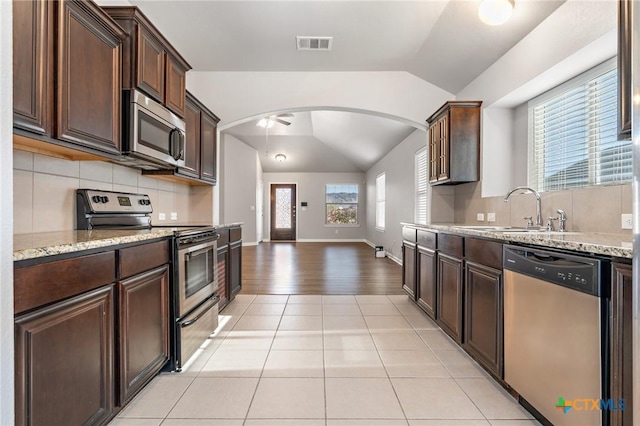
<point x="563" y="220"/>
<point x="538" y="201"/>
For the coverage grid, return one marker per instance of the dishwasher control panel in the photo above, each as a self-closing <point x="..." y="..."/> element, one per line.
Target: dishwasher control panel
<point x="576" y="272"/>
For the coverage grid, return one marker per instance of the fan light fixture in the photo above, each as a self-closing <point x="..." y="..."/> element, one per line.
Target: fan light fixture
<point x="265" y="123"/>
<point x="495" y="12"/>
<point x="281" y="157"/>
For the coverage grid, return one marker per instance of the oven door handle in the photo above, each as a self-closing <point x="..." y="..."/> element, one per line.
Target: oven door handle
<point x="187" y="323"/>
<point x="188" y="255"/>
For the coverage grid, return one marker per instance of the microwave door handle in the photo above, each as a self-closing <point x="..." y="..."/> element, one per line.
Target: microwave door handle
<point x="177" y="144"/>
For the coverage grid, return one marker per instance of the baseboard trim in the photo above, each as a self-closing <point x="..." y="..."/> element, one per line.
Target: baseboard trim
<point x="329" y="240"/>
<point x="249" y="244"/>
<point x="390" y="256"/>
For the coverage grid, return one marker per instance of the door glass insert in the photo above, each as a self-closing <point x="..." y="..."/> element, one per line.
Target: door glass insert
<point x="283" y="208"/>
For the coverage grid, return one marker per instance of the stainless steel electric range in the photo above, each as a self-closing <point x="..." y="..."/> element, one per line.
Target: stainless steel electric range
<point x="194" y="283"/>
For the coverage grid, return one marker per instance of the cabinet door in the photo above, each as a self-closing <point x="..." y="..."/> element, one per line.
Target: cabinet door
<point x="223" y="276"/>
<point x="621" y="348"/>
<point x="150" y="71"/>
<point x="175" y="88"/>
<point x="192" y="141"/>
<point x="443" y="150"/>
<point x="143" y="329"/>
<point x="89" y="78"/>
<point x="64" y="362"/>
<point x="434" y="151"/>
<point x="409" y="269"/>
<point x="483" y="316"/>
<point x="208" y="147"/>
<point x="427" y="281"/>
<point x="235" y="268"/>
<point x="449" y="297"/>
<point x="32" y="62"/>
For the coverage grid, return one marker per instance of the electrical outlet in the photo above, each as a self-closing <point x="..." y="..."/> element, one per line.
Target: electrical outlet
<point x="491" y="217"/>
<point x="162" y="216"/>
<point x="480" y="217"/>
<point x="252" y="208"/>
<point x="627" y="221"/>
<point x="174" y="215"/>
<point x="336" y="231"/>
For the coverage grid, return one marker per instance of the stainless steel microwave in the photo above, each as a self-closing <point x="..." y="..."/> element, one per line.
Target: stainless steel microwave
<point x="153" y="136"/>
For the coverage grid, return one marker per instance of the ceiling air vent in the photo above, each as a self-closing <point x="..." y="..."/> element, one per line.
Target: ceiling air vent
<point x="314" y="43"/>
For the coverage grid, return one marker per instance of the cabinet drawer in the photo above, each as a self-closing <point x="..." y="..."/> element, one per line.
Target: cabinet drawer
<point x="409" y="234"/>
<point x="235" y="234"/>
<point x="450" y="244"/>
<point x="224" y="237"/>
<point x="427" y="239"/>
<point x="48" y="282"/>
<point x="134" y="260"/>
<point x="487" y="253"/>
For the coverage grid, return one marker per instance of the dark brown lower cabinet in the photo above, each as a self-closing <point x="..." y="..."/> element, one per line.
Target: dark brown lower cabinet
<point x="449" y="295"/>
<point x="483" y="316"/>
<point x="409" y="269"/>
<point x="64" y="361"/>
<point x="621" y="348"/>
<point x="223" y="254"/>
<point x="426" y="274"/>
<point x="235" y="268"/>
<point x="144" y="329"/>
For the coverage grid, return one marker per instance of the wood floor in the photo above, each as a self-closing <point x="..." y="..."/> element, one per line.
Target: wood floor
<point x="317" y="268"/>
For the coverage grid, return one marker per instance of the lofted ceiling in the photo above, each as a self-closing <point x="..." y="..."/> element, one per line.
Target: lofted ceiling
<point x="440" y="41"/>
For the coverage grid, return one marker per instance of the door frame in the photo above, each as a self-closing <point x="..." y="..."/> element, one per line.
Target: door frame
<point x="267" y="211"/>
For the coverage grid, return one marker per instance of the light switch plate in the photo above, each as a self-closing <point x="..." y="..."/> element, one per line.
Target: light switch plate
<point x="491" y="217"/>
<point x="174" y="215"/>
<point x="162" y="216"/>
<point x="480" y="217"/>
<point x="627" y="221"/>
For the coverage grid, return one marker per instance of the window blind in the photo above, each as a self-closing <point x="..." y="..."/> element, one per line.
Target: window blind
<point x="422" y="187"/>
<point x="380" y="201"/>
<point x="574" y="134"/>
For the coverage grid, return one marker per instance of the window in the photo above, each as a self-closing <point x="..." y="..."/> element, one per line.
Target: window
<point x="342" y="204"/>
<point x="422" y="187"/>
<point x="573" y="134"/>
<point x="380" y="203"/>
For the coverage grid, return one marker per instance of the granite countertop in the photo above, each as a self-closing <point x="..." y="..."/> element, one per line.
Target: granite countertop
<point x="42" y="244"/>
<point x="614" y="245"/>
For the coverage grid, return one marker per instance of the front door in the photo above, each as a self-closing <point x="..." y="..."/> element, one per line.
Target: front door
<point x="283" y="211"/>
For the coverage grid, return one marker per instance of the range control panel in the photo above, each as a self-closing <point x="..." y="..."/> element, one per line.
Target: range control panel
<point x="116" y="202"/>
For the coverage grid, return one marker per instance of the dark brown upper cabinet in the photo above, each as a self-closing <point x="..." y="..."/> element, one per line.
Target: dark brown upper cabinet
<point x="454" y="143"/>
<point x="86" y="67"/>
<point x="201" y="145"/>
<point x="150" y="62"/>
<point x="625" y="25"/>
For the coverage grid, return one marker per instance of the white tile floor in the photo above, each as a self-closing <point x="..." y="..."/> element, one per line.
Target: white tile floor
<point x="330" y="361"/>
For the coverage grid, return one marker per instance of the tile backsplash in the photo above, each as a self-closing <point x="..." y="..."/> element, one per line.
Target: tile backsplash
<point x="594" y="209"/>
<point x="44" y="192"/>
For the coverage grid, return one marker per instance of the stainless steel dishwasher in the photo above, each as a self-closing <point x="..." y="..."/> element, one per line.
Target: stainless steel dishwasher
<point x="555" y="333"/>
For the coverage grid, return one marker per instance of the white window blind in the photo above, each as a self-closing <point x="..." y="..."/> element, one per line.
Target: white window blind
<point x="422" y="187"/>
<point x="380" y="201"/>
<point x="573" y="134"/>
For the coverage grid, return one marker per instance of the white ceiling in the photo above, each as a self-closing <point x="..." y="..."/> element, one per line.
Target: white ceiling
<point x="442" y="42"/>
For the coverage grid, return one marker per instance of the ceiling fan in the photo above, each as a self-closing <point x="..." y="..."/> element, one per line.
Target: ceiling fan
<point x="269" y="121"/>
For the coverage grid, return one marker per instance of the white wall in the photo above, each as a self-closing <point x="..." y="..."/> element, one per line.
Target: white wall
<point x="238" y="186"/>
<point x="399" y="170"/>
<point x="238" y="96"/>
<point x="311" y="188"/>
<point x="6" y="216"/>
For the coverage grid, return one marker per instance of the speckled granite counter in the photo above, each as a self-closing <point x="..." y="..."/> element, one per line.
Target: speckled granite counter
<point x="615" y="245"/>
<point x="41" y="244"/>
<point x="31" y="246"/>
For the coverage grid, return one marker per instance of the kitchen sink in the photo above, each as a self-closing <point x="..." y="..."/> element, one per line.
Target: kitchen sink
<point x="512" y="230"/>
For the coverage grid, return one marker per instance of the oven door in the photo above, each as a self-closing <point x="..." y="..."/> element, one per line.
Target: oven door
<point x="197" y="275"/>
